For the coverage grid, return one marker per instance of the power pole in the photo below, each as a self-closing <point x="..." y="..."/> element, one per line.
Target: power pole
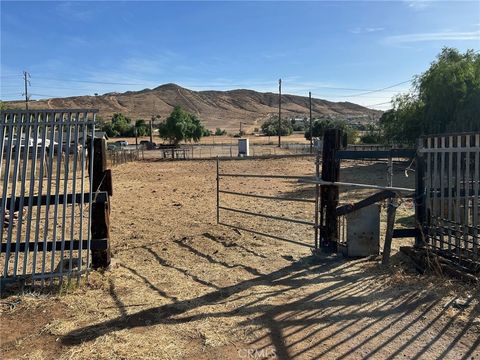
<point x="311" y="132"/>
<point x="26" y="76"/>
<point x="279" y="111"/>
<point x="151" y="130"/>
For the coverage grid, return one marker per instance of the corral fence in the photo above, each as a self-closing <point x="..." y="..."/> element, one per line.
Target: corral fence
<point x="52" y="202"/>
<point x="446" y="199"/>
<point x="123" y="156"/>
<point x="212" y="151"/>
<point x="230" y="151"/>
<point x="226" y="214"/>
<point x="448" y="211"/>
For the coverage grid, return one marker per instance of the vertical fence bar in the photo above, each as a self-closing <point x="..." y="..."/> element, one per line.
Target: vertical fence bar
<point x="476" y="196"/>
<point x="441" y="220"/>
<point x="82" y="193"/>
<point x="18" y="134"/>
<point x="3" y="210"/>
<point x="43" y="120"/>
<point x="458" y="220"/>
<point x="23" y="179"/>
<point x="50" y="122"/>
<point x="466" y="189"/>
<point x="450" y="193"/>
<point x="31" y="192"/>
<point x="60" y="148"/>
<point x="73" y="192"/>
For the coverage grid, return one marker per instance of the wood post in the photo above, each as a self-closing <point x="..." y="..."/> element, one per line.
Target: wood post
<point x="101" y="182"/>
<point x="332" y="141"/>
<point x="387" y="247"/>
<point x="420" y="197"/>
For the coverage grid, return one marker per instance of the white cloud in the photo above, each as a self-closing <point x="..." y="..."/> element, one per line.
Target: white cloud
<point x="359" y="30"/>
<point x="435" y="36"/>
<point x="418" y="4"/>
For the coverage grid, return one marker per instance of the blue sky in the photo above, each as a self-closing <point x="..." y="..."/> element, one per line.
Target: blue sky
<point x="335" y="49"/>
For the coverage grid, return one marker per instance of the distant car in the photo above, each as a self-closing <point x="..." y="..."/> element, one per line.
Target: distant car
<point x="111" y="146"/>
<point x="148" y="144"/>
<point x="121" y="143"/>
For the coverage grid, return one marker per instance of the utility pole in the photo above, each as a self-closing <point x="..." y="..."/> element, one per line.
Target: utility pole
<point x="279" y="111"/>
<point x="151" y="130"/>
<point x="311" y="132"/>
<point x="26" y="76"/>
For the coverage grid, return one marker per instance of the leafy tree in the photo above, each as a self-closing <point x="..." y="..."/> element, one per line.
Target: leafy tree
<point x="320" y="125"/>
<point x="181" y="126"/>
<point x="445" y="98"/>
<point x="143" y="129"/>
<point x="3" y="106"/>
<point x="119" y="126"/>
<point x="270" y="127"/>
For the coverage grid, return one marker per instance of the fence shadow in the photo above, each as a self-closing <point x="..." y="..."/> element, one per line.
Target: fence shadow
<point x="341" y="310"/>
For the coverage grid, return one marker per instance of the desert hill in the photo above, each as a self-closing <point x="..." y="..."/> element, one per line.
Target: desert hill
<point x="224" y="109"/>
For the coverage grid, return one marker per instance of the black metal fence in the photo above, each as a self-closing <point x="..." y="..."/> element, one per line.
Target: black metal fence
<point x="450" y="196"/>
<point x="46" y="195"/>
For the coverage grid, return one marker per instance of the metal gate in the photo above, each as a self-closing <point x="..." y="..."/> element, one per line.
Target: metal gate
<point x="449" y="213"/>
<point x="46" y="194"/>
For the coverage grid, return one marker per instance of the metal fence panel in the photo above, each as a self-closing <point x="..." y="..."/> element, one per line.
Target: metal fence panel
<point x="452" y="196"/>
<point x="46" y="194"/>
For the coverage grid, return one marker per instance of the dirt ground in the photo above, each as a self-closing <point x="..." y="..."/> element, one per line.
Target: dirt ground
<point x="182" y="287"/>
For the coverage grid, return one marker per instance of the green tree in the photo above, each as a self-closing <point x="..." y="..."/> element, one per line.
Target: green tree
<point x="143" y="129"/>
<point x="181" y="126"/>
<point x="320" y="125"/>
<point x="445" y="98"/>
<point x="119" y="126"/>
<point x="270" y="127"/>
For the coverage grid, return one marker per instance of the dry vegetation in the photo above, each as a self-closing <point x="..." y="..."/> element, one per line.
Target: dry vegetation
<point x="183" y="287"/>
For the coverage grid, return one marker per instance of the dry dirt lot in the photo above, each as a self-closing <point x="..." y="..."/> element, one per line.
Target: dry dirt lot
<point x="182" y="287"/>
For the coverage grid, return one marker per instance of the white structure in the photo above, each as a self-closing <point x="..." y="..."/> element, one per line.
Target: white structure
<point x="243" y="148"/>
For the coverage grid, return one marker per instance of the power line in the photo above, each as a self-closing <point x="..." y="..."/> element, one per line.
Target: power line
<point x="382" y="89"/>
<point x="86" y="81"/>
<point x="383" y="103"/>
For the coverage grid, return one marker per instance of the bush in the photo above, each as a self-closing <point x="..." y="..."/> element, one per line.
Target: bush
<point x="270" y="127"/>
<point x="220" y="132"/>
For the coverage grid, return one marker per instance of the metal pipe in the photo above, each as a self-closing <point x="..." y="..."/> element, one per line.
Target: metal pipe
<point x="347" y="184"/>
<point x="263" y="176"/>
<point x="267" y="197"/>
<point x="268" y="216"/>
<point x="266" y="235"/>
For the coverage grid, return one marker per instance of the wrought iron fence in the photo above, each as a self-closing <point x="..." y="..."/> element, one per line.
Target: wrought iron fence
<point x="46" y="193"/>
<point x="451" y="196"/>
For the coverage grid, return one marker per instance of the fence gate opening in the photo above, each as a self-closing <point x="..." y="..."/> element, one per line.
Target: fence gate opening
<point x="46" y="195"/>
<point x="449" y="207"/>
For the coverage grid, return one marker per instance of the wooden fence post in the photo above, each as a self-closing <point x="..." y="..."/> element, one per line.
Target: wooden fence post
<point x="332" y="141"/>
<point x="100" y="226"/>
<point x="419" y="194"/>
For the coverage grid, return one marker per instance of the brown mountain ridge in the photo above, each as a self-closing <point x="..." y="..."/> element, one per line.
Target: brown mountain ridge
<point x="224" y="109"/>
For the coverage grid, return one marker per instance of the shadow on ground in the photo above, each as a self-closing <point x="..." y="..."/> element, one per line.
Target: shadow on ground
<point x="315" y="307"/>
